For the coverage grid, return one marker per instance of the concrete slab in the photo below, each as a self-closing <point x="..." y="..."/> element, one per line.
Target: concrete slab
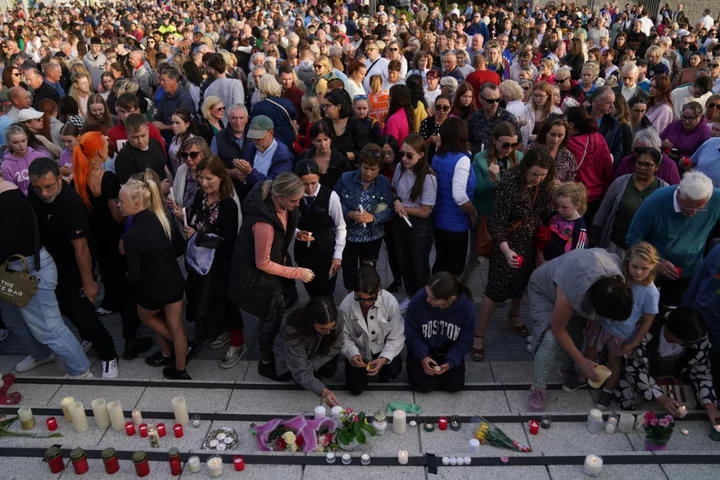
<point x="128" y="396"/>
<point x="26" y="468"/>
<point x="491" y="473"/>
<point x="204" y="370"/>
<point x="292" y="402"/>
<point x="449" y="443"/>
<point x="35" y="395"/>
<point x="557" y="401"/>
<point x="478" y="372"/>
<point x="251" y="375"/>
<point x="251" y="472"/>
<point x="462" y="403"/>
<point x="8" y="362"/>
<point x="191" y="440"/>
<point x="370" y="401"/>
<point x="520" y="372"/>
<point x="615" y="472"/>
<point x="369" y="472"/>
<point x="200" y="401"/>
<point x="574" y="439"/>
<point x="696" y="472"/>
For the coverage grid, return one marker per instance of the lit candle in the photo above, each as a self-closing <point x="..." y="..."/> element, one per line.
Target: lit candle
<point x="137" y="417"/>
<point x="51" y="424"/>
<point x="467" y="460"/>
<point x="79" y="420"/>
<point x="161" y="430"/>
<point x="715" y="433"/>
<point x="365" y="459"/>
<point x="534" y="427"/>
<point x="442" y="423"/>
<point x="455" y="423"/>
<point x="178" y="430"/>
<point x="320" y="412"/>
<point x="215" y="466"/>
<point x="64" y="404"/>
<point x="117" y="417"/>
<point x="100" y="412"/>
<point x="130" y="429"/>
<point x="683" y="411"/>
<point x="593" y="465"/>
<point x="474" y="445"/>
<point x="194" y="464"/>
<point x="330" y="458"/>
<point x="403" y="457"/>
<point x="181" y="412"/>
<point x="346" y="459"/>
<point x="143" y="429"/>
<point x="399" y="422"/>
<point x="27" y="421"/>
<point x="239" y="463"/>
<point x="611" y="424"/>
<point x="446" y="461"/>
<point x="626" y="422"/>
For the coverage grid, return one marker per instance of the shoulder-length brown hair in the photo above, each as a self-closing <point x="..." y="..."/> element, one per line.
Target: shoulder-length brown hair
<point x="663" y="89"/>
<point x="537" y="156"/>
<point x="216" y="166"/>
<point x="503" y="129"/>
<point x="453" y="136"/>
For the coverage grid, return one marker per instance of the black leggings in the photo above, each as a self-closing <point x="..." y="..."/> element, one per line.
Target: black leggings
<point x="358" y="253"/>
<point x="450" y="251"/>
<point x="452" y="381"/>
<point x="357" y="379"/>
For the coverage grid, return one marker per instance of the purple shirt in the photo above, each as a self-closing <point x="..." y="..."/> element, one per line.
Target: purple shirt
<point x="15" y="169"/>
<point x="668" y="170"/>
<point x="66" y="158"/>
<point x="686" y="142"/>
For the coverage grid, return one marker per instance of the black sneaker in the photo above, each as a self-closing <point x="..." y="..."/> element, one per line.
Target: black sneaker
<point x="192" y="351"/>
<point x="574" y="383"/>
<point x="158" y="360"/>
<point x="133" y="348"/>
<point x="267" y="370"/>
<point x="605" y="399"/>
<point x="395" y="286"/>
<point x="171" y="373"/>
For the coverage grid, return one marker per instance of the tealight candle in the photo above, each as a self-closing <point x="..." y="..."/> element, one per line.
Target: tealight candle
<point x="683" y="411"/>
<point x="130" y="429"/>
<point x="143" y="429"/>
<point x="626" y="422"/>
<point x="51" y="424"/>
<point x="162" y="431"/>
<point x="194" y="464"/>
<point x="137" y="417"/>
<point x="79" y="420"/>
<point x="446" y="461"/>
<point x="593" y="465"/>
<point x="27" y="420"/>
<point x="117" y="417"/>
<point x="545" y="422"/>
<point x="181" y="411"/>
<point x="365" y="459"/>
<point x="238" y="463"/>
<point x="455" y="423"/>
<point x="335" y="412"/>
<point x="442" y="423"/>
<point x="330" y="458"/>
<point x="453" y="461"/>
<point x="320" y="412"/>
<point x="195" y="421"/>
<point x="611" y="424"/>
<point x="399" y="422"/>
<point x="346" y="459"/>
<point x="403" y="457"/>
<point x="178" y="430"/>
<point x="474" y="445"/>
<point x="64" y="404"/>
<point x="100" y="412"/>
<point x="215" y="466"/>
<point x="467" y="460"/>
<point x="460" y="461"/>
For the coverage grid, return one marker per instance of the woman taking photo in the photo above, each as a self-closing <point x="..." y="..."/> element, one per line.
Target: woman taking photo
<point x="522" y="200"/>
<point x="151" y="247"/>
<point x="18" y="157"/>
<point x="430" y="127"/>
<point x="536" y="112"/>
<point x="320" y="239"/>
<point x="182" y="128"/>
<point x="366" y="200"/>
<point x="401" y="115"/>
<point x="554" y="136"/>
<point x="463" y="105"/>
<point x="213" y="112"/>
<point x="331" y="162"/>
<point x="349" y="134"/>
<point x="415" y="186"/>
<point x="454" y="212"/>
<point x="659" y="108"/>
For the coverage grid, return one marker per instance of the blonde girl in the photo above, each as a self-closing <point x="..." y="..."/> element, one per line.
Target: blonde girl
<point x="565" y="228"/>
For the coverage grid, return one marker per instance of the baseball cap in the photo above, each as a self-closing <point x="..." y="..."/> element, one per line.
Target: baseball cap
<point x="28" y="114"/>
<point x="259" y="126"/>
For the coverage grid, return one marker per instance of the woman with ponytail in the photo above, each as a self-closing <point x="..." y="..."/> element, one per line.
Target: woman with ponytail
<point x="151" y="247"/>
<point x="439" y="327"/>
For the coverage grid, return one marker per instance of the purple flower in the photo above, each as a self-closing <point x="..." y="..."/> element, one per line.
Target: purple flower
<point x="649" y="416"/>
<point x="654" y="422"/>
<point x="669" y="418"/>
<point x="664" y="423"/>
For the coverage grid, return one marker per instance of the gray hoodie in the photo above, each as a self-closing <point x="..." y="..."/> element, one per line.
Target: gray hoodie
<point x="96" y="67"/>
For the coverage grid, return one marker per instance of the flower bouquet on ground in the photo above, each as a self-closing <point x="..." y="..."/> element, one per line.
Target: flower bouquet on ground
<point x="353" y="430"/>
<point x="489" y="434"/>
<point x="295" y="435"/>
<point x="657" y="431"/>
<point x="324" y="432"/>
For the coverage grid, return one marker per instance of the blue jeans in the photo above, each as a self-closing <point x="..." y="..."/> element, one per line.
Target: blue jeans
<point x="40" y="324"/>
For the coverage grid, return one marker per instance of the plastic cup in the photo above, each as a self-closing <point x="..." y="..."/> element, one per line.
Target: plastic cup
<point x="603" y="372"/>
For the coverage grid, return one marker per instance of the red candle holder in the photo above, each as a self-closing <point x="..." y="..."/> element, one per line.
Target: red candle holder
<point x="443" y="423"/>
<point x="130" y="429"/>
<point x="679" y="271"/>
<point x="534" y="426"/>
<point x="178" y="430"/>
<point x="143" y="430"/>
<point x="520" y="260"/>
<point x="51" y="424"/>
<point x="239" y="463"/>
<point x="162" y="431"/>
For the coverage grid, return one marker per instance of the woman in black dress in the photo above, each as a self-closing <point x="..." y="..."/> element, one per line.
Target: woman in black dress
<point x="320" y="240"/>
<point x="151" y="247"/>
<point x="430" y="127"/>
<point x="349" y="134"/>
<point x="331" y="161"/>
<point x="522" y="200"/>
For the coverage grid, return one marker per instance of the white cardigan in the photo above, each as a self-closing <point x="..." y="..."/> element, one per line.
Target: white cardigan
<point x="528" y="117"/>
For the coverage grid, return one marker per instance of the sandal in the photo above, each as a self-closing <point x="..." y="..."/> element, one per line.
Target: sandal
<point x="11" y="398"/>
<point x="521" y="329"/>
<point x="478" y="354"/>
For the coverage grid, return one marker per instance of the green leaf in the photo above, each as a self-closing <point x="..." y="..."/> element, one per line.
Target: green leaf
<point x="361" y="437"/>
<point x="369" y="428"/>
<point x="356" y="428"/>
<point x="7" y="422"/>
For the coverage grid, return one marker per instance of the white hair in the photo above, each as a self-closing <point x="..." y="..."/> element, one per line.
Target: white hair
<point x="647" y="137"/>
<point x="696" y="186"/>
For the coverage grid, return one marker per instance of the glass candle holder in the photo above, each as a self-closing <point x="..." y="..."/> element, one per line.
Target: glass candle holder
<point x="455" y="423"/>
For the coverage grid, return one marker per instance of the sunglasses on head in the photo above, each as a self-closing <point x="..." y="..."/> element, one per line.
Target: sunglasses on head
<point x="192" y="155"/>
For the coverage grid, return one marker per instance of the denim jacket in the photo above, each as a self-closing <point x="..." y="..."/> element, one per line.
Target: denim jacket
<point x="376" y="200"/>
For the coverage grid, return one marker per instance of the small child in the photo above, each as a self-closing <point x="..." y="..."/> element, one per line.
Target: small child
<point x="564" y="229"/>
<point x="622" y="337"/>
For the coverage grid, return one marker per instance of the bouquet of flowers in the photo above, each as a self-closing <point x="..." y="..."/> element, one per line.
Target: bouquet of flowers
<point x="489" y="434"/>
<point x="295" y="435"/>
<point x="657" y="431"/>
<point x="324" y="431"/>
<point x="353" y="429"/>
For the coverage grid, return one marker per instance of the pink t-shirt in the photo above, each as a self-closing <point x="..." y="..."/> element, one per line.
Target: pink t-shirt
<point x="397" y="126"/>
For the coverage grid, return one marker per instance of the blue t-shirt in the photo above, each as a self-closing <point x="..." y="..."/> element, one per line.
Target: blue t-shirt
<point x="646" y="299"/>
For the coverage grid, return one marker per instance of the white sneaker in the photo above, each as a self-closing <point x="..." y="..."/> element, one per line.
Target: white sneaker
<point x="102" y="312"/>
<point x="28" y="363"/>
<point x="529" y="349"/>
<point x="86" y="374"/>
<point x="233" y="356"/>
<point x="86" y="346"/>
<point x="404" y="305"/>
<point x="529" y="339"/>
<point x="110" y="368"/>
<point x="4" y="334"/>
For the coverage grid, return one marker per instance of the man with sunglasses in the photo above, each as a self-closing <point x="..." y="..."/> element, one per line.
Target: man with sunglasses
<point x="376" y="65"/>
<point x="483" y="121"/>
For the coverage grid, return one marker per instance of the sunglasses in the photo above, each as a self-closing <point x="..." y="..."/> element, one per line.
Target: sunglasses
<point x="318" y="67"/>
<point x="360" y="97"/>
<point x="490" y="100"/>
<point x="192" y="155"/>
<point x="372" y="299"/>
<point x="713" y="105"/>
<point x="407" y="155"/>
<point x="509" y="145"/>
<point x="220" y="109"/>
<point x="442" y="108"/>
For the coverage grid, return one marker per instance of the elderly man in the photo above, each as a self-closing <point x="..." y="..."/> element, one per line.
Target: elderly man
<point x="140" y="73"/>
<point x="629" y="88"/>
<point x="41" y="89"/>
<point x="677" y="220"/>
<point x="483" y="122"/>
<point x="602" y="106"/>
<point x="476" y="46"/>
<point x="673" y="59"/>
<point x="95" y="61"/>
<point x="450" y="68"/>
<point x="175" y="97"/>
<point x="229" y="143"/>
<point x="53" y="76"/>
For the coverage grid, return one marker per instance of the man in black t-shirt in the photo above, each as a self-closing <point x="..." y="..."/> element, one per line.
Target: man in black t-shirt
<point x="140" y="152"/>
<point x="64" y="224"/>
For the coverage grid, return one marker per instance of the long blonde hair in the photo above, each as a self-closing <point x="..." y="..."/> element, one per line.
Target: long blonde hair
<point x="146" y="187"/>
<point x="646" y="252"/>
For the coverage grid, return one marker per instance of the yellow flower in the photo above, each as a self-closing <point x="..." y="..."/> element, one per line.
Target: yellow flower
<point x="290" y="439"/>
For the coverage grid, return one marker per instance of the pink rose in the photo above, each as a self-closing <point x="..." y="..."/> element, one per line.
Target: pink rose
<point x="348" y="410"/>
<point x="664" y="423"/>
<point x="645" y="423"/>
<point x="654" y="422"/>
<point x="669" y="418"/>
<point x="649" y="416"/>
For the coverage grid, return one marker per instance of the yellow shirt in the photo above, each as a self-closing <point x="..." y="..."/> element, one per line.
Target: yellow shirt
<point x="420" y="115"/>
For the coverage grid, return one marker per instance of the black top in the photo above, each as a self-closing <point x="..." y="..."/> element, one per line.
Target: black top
<point x="105" y="232"/>
<point x="152" y="260"/>
<point x="18" y="235"/>
<point x="315" y="213"/>
<point x="60" y="222"/>
<point x="353" y="139"/>
<point x="339" y="164"/>
<point x="130" y="161"/>
<point x="221" y="219"/>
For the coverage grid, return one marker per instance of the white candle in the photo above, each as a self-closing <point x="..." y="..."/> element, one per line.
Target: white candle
<point x="320" y="412"/>
<point x="453" y="460"/>
<point x="362" y="210"/>
<point x="100" y="412"/>
<point x="194" y="464"/>
<point x="683" y="411"/>
<point x="117" y="418"/>
<point x="610" y="428"/>
<point x="181" y="412"/>
<point x="399" y="424"/>
<point x="184" y="217"/>
<point x="474" y="445"/>
<point x="460" y="461"/>
<point x="626" y="423"/>
<point x="467" y="460"/>
<point x="172" y="195"/>
<point x="215" y="466"/>
<point x="593" y="465"/>
<point x="403" y="457"/>
<point x="309" y="241"/>
<point x="446" y="461"/>
<point x="407" y="220"/>
<point x="335" y="412"/>
<point x="137" y="417"/>
<point x="25" y="415"/>
<point x="64" y="404"/>
<point x="79" y="420"/>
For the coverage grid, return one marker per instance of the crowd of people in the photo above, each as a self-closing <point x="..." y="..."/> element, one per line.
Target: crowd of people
<point x="198" y="159"/>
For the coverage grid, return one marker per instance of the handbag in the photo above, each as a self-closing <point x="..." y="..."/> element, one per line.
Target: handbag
<point x="200" y="253"/>
<point x="18" y="288"/>
<point x="484" y="243"/>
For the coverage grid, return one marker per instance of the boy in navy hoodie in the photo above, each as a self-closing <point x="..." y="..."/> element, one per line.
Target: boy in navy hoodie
<point x="439" y="327"/>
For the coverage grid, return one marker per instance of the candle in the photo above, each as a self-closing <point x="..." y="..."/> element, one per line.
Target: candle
<point x="178" y="430"/>
<point x="429" y="426"/>
<point x="175" y="463"/>
<point x="137" y="417"/>
<point x="453" y="461"/>
<point x="467" y="460"/>
<point x="534" y="427"/>
<point x="151" y="432"/>
<point x="27" y="421"/>
<point x="320" y="412"/>
<point x="215" y="466"/>
<point x="611" y="424"/>
<point x="184" y="212"/>
<point x="593" y="465"/>
<point x="715" y="433"/>
<point x="626" y="422"/>
<point x="239" y="463"/>
<point x="446" y="460"/>
<point x="443" y="423"/>
<point x="100" y="412"/>
<point x="194" y="464"/>
<point x="54" y="459"/>
<point x="117" y="418"/>
<point x="455" y="423"/>
<point x="346" y="459"/>
<point x="130" y="429"/>
<point x="79" y="460"/>
<point x="403" y="457"/>
<point x="380" y="422"/>
<point x="143" y="429"/>
<point x="110" y="461"/>
<point x="603" y="373"/>
<point x="195" y="421"/>
<point x="545" y="422"/>
<point x="181" y="412"/>
<point x="399" y="422"/>
<point x="142" y="466"/>
<point x="162" y="431"/>
<point x="309" y="235"/>
<point x="64" y="404"/>
<point x="683" y="411"/>
<point x="51" y="424"/>
<point x="79" y="420"/>
<point x="594" y="421"/>
<point x="365" y="459"/>
<point x="639" y="423"/>
<point x="460" y="461"/>
<point x="474" y="445"/>
<point x="335" y="412"/>
<point x="330" y="458"/>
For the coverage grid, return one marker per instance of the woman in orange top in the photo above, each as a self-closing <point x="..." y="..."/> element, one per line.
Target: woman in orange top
<point x="379" y="100"/>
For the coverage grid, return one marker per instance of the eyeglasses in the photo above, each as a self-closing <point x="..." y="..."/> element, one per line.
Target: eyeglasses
<point x="713" y="105"/>
<point x="192" y="155"/>
<point x="693" y="210"/>
<point x="644" y="165"/>
<point x="561" y="80"/>
<point x="220" y="109"/>
<point x="688" y="119"/>
<point x="442" y="108"/>
<point x="393" y="49"/>
<point x="490" y="100"/>
<point x="372" y="299"/>
<point x="325" y="330"/>
<point x="505" y="146"/>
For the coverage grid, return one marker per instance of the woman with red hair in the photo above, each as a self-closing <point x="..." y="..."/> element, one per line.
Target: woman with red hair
<point x="99" y="191"/>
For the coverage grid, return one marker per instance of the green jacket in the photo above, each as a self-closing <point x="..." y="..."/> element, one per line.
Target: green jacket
<point x="484" y="196"/>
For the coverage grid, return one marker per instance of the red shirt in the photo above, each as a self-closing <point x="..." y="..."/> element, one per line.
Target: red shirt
<point x="118" y="137"/>
<point x="294" y="94"/>
<point x="477" y="78"/>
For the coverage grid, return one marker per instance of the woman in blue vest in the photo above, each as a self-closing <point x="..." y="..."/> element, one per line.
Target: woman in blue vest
<point x="454" y="212"/>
